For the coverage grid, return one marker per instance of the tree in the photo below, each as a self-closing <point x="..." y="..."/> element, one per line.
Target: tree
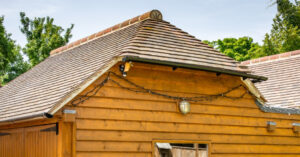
<point x="42" y="37"/>
<point x="11" y="60"/>
<point x="239" y="49"/>
<point x="16" y="68"/>
<point x="289" y="11"/>
<point x="284" y="36"/>
<point x="213" y="44"/>
<point x="285" y="32"/>
<point x="268" y="47"/>
<point x="8" y="49"/>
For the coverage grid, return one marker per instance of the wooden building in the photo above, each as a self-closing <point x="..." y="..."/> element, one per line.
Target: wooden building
<point x="142" y="88"/>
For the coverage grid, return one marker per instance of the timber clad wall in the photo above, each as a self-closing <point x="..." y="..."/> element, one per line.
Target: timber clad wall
<point x="117" y="122"/>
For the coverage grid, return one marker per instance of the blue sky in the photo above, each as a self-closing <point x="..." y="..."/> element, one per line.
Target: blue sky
<point x="205" y="19"/>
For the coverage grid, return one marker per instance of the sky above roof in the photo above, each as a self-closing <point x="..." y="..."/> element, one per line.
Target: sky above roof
<point x="207" y="20"/>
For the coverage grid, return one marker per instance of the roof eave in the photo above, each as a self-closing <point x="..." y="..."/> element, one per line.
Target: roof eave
<point x="199" y="67"/>
<point x="41" y="115"/>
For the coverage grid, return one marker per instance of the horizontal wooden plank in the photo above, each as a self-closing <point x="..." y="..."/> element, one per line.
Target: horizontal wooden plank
<point x="112" y="154"/>
<point x="147" y="105"/>
<point x="191" y="118"/>
<point x="117" y="103"/>
<point x="132" y="136"/>
<point x="256" y="155"/>
<point x="97" y="146"/>
<point x="176" y="127"/>
<point x="178" y="82"/>
<point x="244" y="148"/>
<point x="115" y="92"/>
<point x="180" y="93"/>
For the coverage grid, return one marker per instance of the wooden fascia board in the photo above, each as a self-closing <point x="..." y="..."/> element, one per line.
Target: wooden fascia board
<point x="254" y="91"/>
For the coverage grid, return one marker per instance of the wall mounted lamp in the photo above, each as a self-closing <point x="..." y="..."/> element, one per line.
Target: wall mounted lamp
<point x="184" y="107"/>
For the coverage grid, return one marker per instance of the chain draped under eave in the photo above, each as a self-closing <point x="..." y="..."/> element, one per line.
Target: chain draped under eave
<point x="141" y="89"/>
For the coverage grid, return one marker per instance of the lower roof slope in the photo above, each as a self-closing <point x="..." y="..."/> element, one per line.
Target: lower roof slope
<point x="283" y="84"/>
<point x="147" y="37"/>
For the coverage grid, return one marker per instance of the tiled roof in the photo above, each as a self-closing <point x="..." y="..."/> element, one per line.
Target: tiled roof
<point x="52" y="83"/>
<point x="283" y="84"/>
<point x="271" y="58"/>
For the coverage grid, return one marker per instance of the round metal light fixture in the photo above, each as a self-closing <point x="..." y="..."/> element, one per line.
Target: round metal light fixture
<point x="184" y="106"/>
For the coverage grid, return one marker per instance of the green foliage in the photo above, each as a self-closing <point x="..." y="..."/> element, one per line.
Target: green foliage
<point x="42" y="37"/>
<point x="284" y="36"/>
<point x="285" y="32"/>
<point x="211" y="43"/>
<point x="11" y="60"/>
<point x="8" y="49"/>
<point x="14" y="69"/>
<point x="289" y="11"/>
<point x="268" y="47"/>
<point x="239" y="49"/>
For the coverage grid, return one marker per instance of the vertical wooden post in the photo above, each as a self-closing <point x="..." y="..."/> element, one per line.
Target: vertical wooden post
<point x="74" y="139"/>
<point x="197" y="149"/>
<point x="66" y="146"/>
<point x="65" y="139"/>
<point x="59" y="139"/>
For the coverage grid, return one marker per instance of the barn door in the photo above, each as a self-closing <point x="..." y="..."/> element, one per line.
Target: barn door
<point x="41" y="141"/>
<point x="11" y="143"/>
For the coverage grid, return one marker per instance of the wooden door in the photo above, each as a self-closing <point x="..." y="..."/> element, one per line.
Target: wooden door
<point x="37" y="141"/>
<point x="11" y="143"/>
<point x="41" y="141"/>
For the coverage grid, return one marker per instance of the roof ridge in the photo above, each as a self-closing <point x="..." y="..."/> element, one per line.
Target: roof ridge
<point x="272" y="57"/>
<point x="153" y="14"/>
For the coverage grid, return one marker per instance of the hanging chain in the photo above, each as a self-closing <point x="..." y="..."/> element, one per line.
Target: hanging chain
<point x="141" y="89"/>
<point x="90" y="93"/>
